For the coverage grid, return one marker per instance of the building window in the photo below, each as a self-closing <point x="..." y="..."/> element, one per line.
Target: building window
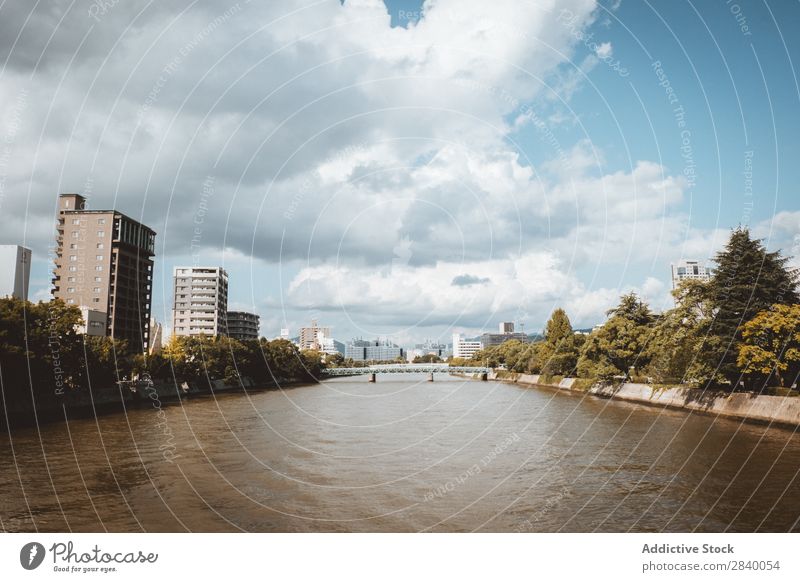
<point x="70" y="279"/>
<point x="96" y="290"/>
<point x="99" y="257"/>
<point x="96" y="300"/>
<point x="73" y="268"/>
<point x="98" y="279"/>
<point x="75" y="234"/>
<point x="98" y="268"/>
<point x="70" y="301"/>
<point x="101" y="221"/>
<point x="76" y="221"/>
<point x="73" y="257"/>
<point x="101" y="233"/>
<point x="70" y="289"/>
<point x="100" y="245"/>
<point x="73" y="245"/>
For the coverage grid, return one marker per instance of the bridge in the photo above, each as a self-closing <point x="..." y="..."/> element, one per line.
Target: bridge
<point x="430" y="369"/>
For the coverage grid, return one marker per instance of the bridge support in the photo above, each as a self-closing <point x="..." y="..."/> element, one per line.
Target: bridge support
<point x="372" y="377"/>
<point x="430" y="377"/>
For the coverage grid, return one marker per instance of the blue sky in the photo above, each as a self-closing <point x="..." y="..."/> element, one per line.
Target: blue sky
<point x="410" y="177"/>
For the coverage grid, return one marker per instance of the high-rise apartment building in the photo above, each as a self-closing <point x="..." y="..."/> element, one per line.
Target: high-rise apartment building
<point x="310" y="336"/>
<point x="243" y="325"/>
<point x="201" y="301"/>
<point x="506" y="327"/>
<point x="15" y="271"/>
<point x="104" y="262"/>
<point x="689" y="269"/>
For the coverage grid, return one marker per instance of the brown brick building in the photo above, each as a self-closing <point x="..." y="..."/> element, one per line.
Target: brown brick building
<point x="104" y="262"/>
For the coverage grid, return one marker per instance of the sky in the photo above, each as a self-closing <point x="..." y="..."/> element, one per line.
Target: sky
<point x="406" y="169"/>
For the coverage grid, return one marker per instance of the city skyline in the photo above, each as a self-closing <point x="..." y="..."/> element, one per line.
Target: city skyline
<point x="402" y="216"/>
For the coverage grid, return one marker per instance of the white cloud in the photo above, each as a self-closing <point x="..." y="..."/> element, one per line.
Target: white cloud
<point x="526" y="288"/>
<point x="377" y="157"/>
<point x="604" y="50"/>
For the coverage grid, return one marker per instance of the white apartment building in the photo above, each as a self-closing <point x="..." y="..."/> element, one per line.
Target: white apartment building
<point x="689" y="269"/>
<point x="326" y="344"/>
<point x="15" y="271"/>
<point x="310" y="336"/>
<point x="200" y="301"/>
<point x="465" y="348"/>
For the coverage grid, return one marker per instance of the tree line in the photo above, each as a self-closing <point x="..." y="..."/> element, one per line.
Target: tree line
<point x="42" y="351"/>
<point x="738" y="330"/>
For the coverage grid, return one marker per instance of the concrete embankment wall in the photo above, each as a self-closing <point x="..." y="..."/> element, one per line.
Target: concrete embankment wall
<point x="46" y="407"/>
<point x="749" y="407"/>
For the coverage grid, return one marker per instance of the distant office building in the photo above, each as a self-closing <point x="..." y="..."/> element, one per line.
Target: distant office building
<point x="15" y="271"/>
<point x="104" y="261"/>
<point x="506" y="333"/>
<point x="201" y="301"/>
<point x="689" y="269"/>
<point x="309" y="336"/>
<point x="243" y="325"/>
<point x="378" y="350"/>
<point x="495" y="339"/>
<point x="431" y="348"/>
<point x="94" y="322"/>
<point x="284" y="334"/>
<point x="463" y="348"/>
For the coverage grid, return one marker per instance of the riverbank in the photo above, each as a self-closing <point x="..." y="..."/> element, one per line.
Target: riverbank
<point x="772" y="410"/>
<point x="53" y="408"/>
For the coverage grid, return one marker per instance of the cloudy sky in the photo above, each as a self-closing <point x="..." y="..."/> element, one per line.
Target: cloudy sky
<point x="400" y="169"/>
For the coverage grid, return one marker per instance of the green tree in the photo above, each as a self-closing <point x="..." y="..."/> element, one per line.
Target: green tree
<point x="675" y="347"/>
<point x="748" y="280"/>
<point x="311" y="365"/>
<point x="620" y="343"/>
<point x="558" y="353"/>
<point x="334" y="360"/>
<point x="105" y="361"/>
<point x="632" y="308"/>
<point x="558" y="327"/>
<point x="41" y="347"/>
<point x="770" y="347"/>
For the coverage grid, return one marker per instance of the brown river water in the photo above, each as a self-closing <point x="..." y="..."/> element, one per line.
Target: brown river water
<point x="402" y="454"/>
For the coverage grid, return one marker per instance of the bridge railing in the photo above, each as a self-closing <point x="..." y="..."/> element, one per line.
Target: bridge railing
<point x="404" y="370"/>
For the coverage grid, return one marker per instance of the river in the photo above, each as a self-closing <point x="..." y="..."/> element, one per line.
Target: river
<point x="402" y="454"/>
